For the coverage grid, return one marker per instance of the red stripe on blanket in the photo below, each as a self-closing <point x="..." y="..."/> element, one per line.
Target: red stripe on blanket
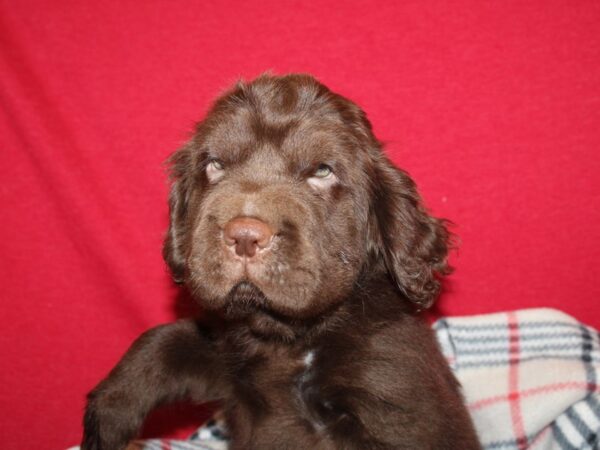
<point x="165" y="445"/>
<point x="582" y="385"/>
<point x="514" y="397"/>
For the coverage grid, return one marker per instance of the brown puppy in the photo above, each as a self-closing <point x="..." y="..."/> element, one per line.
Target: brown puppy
<point x="307" y="250"/>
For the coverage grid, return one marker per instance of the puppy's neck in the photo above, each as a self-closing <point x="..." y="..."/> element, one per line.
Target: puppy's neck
<point x="374" y="297"/>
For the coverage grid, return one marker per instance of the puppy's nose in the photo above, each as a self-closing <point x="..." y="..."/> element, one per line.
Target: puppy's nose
<point x="247" y="234"/>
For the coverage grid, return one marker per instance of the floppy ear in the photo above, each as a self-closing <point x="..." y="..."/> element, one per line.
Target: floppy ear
<point x="413" y="245"/>
<point x="179" y="198"/>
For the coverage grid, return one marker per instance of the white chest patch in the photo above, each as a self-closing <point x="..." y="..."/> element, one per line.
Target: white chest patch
<point x="309" y="358"/>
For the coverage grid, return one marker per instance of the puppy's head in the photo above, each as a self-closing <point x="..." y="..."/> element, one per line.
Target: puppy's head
<point x="283" y="196"/>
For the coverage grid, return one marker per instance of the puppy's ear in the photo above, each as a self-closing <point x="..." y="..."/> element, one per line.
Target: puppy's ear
<point x="179" y="200"/>
<point x="414" y="246"/>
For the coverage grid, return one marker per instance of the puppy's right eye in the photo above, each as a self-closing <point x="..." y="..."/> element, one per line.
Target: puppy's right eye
<point x="323" y="171"/>
<point x="216" y="164"/>
<point x="214" y="169"/>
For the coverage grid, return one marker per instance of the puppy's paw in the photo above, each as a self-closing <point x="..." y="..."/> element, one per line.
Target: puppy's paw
<point x="91" y="430"/>
<point x="105" y="426"/>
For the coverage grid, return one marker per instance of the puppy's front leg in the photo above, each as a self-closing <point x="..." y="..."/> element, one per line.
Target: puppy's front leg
<point x="165" y="364"/>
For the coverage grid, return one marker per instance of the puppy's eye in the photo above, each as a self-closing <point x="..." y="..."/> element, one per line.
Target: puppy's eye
<point x="323" y="171"/>
<point x="322" y="178"/>
<point x="214" y="170"/>
<point x="215" y="164"/>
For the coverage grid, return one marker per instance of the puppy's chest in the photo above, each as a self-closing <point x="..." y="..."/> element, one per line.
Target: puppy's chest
<point x="289" y="385"/>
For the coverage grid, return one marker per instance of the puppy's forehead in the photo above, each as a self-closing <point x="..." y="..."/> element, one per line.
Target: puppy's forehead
<point x="292" y="125"/>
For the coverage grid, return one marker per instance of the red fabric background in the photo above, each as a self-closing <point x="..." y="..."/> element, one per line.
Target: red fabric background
<point x="493" y="107"/>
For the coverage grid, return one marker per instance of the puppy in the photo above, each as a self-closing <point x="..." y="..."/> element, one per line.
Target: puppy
<point x="309" y="253"/>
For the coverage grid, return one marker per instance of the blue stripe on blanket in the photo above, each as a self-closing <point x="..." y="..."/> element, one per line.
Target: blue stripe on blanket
<point x="525" y="337"/>
<point x="522" y="326"/>
<point x="504" y="362"/>
<point x="523" y="348"/>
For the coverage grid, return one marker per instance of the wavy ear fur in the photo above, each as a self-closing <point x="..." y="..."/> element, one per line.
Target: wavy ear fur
<point x="179" y="199"/>
<point x="414" y="245"/>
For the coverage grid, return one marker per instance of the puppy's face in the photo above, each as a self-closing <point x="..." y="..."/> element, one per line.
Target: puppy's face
<point x="282" y="197"/>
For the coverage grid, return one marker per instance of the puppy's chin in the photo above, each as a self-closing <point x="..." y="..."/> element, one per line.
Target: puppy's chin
<point x="246" y="302"/>
<point x="243" y="299"/>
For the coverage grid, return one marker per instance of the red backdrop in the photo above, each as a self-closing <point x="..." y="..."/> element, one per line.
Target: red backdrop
<point x="493" y="107"/>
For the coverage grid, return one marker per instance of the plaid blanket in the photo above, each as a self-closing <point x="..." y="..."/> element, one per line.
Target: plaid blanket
<point x="529" y="377"/>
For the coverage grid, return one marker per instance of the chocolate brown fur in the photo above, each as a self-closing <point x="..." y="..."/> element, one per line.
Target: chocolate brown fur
<point x="314" y="344"/>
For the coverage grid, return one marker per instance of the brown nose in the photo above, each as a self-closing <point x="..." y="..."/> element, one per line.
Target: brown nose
<point x="247" y="234"/>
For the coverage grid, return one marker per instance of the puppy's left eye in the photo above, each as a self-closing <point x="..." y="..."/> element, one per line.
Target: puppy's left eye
<point x="323" y="171"/>
<point x="322" y="178"/>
